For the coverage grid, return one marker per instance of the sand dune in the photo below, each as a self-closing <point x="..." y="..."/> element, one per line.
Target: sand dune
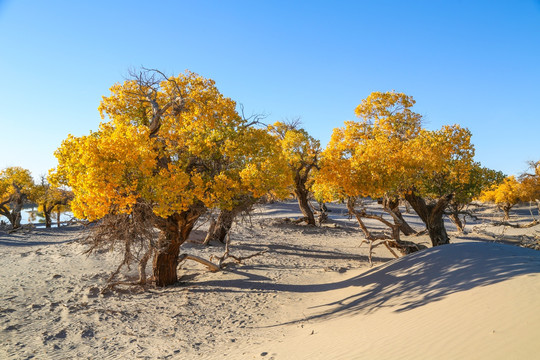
<point x="461" y="301"/>
<point x="311" y="296"/>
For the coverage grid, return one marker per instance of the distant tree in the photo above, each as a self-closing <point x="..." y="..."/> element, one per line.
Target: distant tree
<point x="16" y="186"/>
<point x="505" y="195"/>
<point x="302" y="154"/>
<point x="51" y="199"/>
<point x="531" y="184"/>
<point x="388" y="154"/>
<point x="263" y="171"/>
<point x="168" y="149"/>
<point x="466" y="185"/>
<point x="366" y="158"/>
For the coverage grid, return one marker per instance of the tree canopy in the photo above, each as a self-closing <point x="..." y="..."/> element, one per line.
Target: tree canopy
<point x="173" y="144"/>
<point x="388" y="153"/>
<point x="301" y="152"/>
<point x="16" y="187"/>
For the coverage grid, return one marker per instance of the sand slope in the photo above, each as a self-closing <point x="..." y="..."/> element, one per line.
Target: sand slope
<point x="461" y="301"/>
<point x="312" y="295"/>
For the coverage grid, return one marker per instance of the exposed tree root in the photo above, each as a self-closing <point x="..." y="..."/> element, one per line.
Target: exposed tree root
<point x="517" y="226"/>
<point x="110" y="286"/>
<point x="210" y="265"/>
<point x="22" y="228"/>
<point x="390" y="240"/>
<point x="238" y="259"/>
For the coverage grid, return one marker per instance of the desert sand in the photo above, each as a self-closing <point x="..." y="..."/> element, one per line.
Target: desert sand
<point x="312" y="295"/>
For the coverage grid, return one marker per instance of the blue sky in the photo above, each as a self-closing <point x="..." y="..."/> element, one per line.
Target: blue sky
<point x="475" y="63"/>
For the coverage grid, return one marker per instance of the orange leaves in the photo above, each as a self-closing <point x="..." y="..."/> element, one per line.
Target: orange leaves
<point x="105" y="169"/>
<point x="387" y="151"/>
<point x="15" y="177"/>
<point x="390" y="114"/>
<point x="171" y="143"/>
<point x="509" y="192"/>
<point x="300" y="151"/>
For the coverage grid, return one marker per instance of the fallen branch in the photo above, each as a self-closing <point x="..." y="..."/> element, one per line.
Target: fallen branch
<point x="238" y="259"/>
<point x="423" y="232"/>
<point x="112" y="285"/>
<point x="210" y="265"/>
<point x="518" y="226"/>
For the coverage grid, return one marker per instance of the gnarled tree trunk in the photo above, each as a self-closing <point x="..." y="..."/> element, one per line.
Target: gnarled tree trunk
<point x="47" y="214"/>
<point x="390" y="241"/>
<point x="175" y="230"/>
<point x="432" y="216"/>
<point x="506" y="209"/>
<point x="392" y="203"/>
<point x="454" y="216"/>
<point x="13" y="213"/>
<point x="223" y="225"/>
<point x="303" y="203"/>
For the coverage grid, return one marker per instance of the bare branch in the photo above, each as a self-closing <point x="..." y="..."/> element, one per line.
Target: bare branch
<point x="517" y="226"/>
<point x="210" y="265"/>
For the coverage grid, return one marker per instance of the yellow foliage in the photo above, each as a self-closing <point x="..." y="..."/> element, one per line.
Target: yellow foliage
<point x="505" y="194"/>
<point x="13" y="177"/>
<point x="388" y="152"/>
<point x="531" y="184"/>
<point x="300" y="151"/>
<point x="197" y="150"/>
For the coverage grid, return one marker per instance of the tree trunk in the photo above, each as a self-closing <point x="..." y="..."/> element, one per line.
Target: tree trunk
<point x="432" y="216"/>
<point x="16" y="203"/>
<point x="16" y="216"/>
<point x="166" y="257"/>
<point x="220" y="229"/>
<point x="506" y="209"/>
<point x="223" y="224"/>
<point x="47" y="214"/>
<point x="303" y="203"/>
<point x="454" y="216"/>
<point x="210" y="232"/>
<point x="175" y="230"/>
<point x="393" y="205"/>
<point x="142" y="266"/>
<point x="58" y="213"/>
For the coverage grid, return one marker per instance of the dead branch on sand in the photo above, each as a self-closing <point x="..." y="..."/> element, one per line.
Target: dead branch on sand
<point x="517" y="226"/>
<point x="238" y="259"/>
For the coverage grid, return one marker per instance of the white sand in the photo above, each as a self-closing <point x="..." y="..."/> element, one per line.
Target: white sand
<point x="311" y="296"/>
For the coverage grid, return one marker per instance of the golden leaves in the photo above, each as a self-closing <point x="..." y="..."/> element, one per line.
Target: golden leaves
<point x="387" y="151"/>
<point x="12" y="177"/>
<point x="172" y="144"/>
<point x="509" y="192"/>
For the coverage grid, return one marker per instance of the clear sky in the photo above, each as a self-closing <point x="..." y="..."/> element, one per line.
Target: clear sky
<point x="475" y="63"/>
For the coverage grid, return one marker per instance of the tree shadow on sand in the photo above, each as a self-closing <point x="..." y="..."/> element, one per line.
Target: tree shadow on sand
<point x="431" y="275"/>
<point x="409" y="282"/>
<point x="44" y="237"/>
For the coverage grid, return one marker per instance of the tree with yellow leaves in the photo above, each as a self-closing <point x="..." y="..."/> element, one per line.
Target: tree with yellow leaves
<point x="465" y="185"/>
<point x="263" y="172"/>
<point x="301" y="152"/>
<point x="16" y="187"/>
<point x="505" y="195"/>
<point x="49" y="199"/>
<point x="168" y="149"/>
<point x="387" y="154"/>
<point x="531" y="184"/>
